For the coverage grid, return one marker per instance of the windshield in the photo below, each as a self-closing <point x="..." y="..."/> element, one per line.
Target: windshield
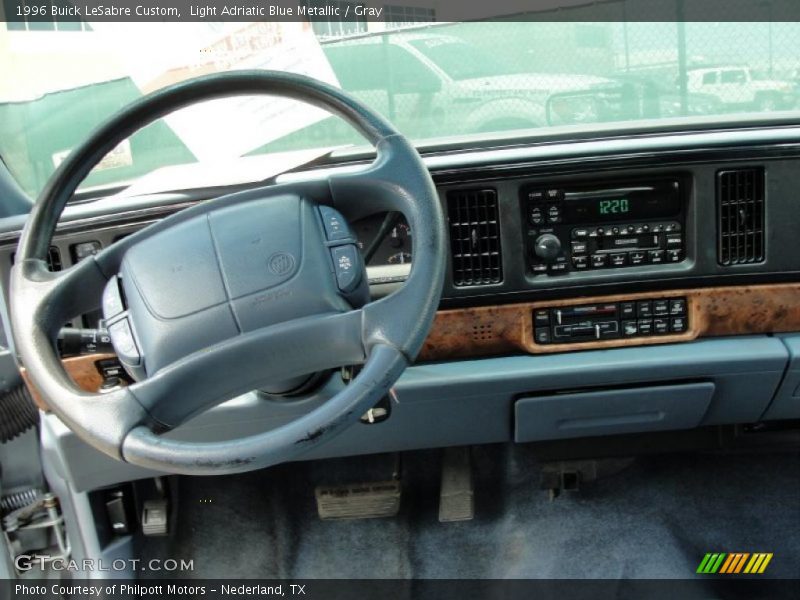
<point x="433" y="81"/>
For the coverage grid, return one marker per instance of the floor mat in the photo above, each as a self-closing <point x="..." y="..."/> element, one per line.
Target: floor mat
<point x="655" y="519"/>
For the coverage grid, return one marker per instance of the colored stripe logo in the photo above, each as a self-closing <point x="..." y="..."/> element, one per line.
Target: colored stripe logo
<point x="734" y="563"/>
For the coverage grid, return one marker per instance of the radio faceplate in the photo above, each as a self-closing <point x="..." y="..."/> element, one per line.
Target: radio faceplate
<point x="580" y="227"/>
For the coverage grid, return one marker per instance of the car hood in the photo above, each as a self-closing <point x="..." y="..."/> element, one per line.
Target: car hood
<point x="534" y="82"/>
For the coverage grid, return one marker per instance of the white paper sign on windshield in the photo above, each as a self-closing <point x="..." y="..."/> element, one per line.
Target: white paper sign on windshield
<point x="160" y="54"/>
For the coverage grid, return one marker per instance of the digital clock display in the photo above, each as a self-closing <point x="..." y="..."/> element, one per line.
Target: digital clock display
<point x="655" y="201"/>
<point x="614" y="206"/>
<point x="623" y="202"/>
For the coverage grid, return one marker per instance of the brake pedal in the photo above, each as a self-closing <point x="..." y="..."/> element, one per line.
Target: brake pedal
<point x="456" y="496"/>
<point x="156" y="511"/>
<point x="155" y="518"/>
<point x="358" y="501"/>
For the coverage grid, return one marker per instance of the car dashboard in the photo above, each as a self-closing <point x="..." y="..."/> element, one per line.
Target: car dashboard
<point x="637" y="284"/>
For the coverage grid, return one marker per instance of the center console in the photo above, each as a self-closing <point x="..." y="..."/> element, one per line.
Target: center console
<point x="582" y="227"/>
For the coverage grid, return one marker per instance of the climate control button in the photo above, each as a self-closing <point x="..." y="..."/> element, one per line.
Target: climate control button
<point x="660" y="308"/>
<point x="661" y="326"/>
<point x="677" y="306"/>
<point x="678" y="324"/>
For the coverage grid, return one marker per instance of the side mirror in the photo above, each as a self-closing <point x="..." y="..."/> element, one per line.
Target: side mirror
<point x="570" y="108"/>
<point x="615" y="102"/>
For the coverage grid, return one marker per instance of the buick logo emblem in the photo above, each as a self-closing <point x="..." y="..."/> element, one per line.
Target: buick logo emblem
<point x="281" y="263"/>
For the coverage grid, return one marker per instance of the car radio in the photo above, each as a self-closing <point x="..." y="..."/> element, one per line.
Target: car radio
<point x="579" y="227"/>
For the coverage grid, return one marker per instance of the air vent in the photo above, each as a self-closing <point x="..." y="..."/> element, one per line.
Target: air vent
<point x="53" y="259"/>
<point x="474" y="237"/>
<point x="740" y="212"/>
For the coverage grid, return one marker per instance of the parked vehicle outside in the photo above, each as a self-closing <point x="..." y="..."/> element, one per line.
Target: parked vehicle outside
<point x="437" y="83"/>
<point x="742" y="87"/>
<point x="657" y="99"/>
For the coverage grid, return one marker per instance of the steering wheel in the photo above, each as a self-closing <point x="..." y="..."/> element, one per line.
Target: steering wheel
<point x="232" y="293"/>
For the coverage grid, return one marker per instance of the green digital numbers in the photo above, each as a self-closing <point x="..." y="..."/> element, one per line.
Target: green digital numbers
<point x="617" y="206"/>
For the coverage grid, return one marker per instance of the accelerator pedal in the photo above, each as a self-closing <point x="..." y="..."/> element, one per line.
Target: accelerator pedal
<point x="456" y="496"/>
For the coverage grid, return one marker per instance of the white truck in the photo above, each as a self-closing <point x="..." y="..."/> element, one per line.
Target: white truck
<point x="430" y="83"/>
<point x="742" y="87"/>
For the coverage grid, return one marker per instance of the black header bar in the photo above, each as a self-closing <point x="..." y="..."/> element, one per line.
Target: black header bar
<point x="380" y="10"/>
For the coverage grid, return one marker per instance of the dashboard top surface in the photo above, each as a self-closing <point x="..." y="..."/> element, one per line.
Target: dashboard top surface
<point x="693" y="157"/>
<point x="479" y="164"/>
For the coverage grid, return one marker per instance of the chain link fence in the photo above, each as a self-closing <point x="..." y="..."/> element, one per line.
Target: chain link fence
<point x="489" y="76"/>
<point x="608" y="62"/>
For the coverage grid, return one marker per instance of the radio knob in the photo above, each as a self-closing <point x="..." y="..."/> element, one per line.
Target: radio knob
<point x="547" y="247"/>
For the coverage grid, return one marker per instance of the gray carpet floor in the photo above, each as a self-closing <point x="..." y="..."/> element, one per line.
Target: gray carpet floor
<point x="655" y="519"/>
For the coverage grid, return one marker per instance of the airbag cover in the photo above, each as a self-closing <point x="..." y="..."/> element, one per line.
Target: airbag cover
<point x="225" y="273"/>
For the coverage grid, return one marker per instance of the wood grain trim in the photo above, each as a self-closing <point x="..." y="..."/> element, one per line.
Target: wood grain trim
<point x="506" y="329"/>
<point x="717" y="311"/>
<point x="81" y="369"/>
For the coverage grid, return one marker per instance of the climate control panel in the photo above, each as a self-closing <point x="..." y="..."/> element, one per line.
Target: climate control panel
<point x="610" y="320"/>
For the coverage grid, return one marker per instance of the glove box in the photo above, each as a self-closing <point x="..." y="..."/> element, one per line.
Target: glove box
<point x="611" y="411"/>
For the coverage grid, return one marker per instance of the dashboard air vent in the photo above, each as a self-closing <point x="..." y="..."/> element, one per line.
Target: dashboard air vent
<point x="474" y="237"/>
<point x="740" y="214"/>
<point x="53" y="259"/>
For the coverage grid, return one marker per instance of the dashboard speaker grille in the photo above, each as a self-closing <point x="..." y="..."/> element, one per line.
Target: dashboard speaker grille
<point x="475" y="237"/>
<point x="740" y="213"/>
